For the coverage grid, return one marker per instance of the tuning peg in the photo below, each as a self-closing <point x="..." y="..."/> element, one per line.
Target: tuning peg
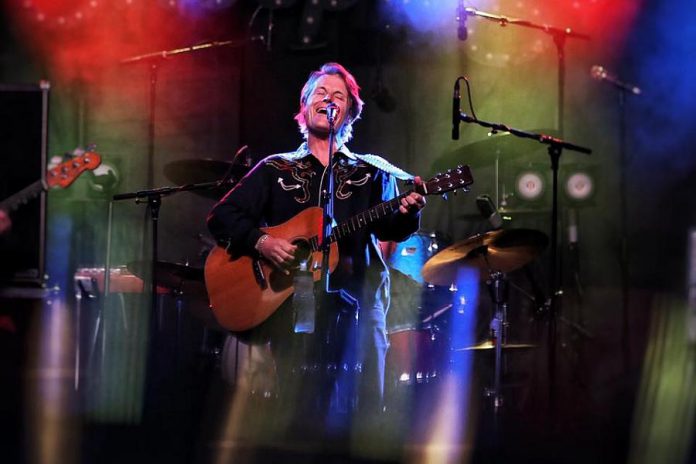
<point x="444" y="196"/>
<point x="454" y="192"/>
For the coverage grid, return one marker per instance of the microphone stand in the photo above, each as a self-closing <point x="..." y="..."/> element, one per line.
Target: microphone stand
<point x="327" y="204"/>
<point x="555" y="148"/>
<point x="153" y="60"/>
<point x="153" y="198"/>
<point x="325" y="339"/>
<point x="559" y="34"/>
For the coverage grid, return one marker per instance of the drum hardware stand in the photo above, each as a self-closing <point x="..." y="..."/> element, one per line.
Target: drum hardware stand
<point x="499" y="291"/>
<point x="498" y="288"/>
<point x="555" y="148"/>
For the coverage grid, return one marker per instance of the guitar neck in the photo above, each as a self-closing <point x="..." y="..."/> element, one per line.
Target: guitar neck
<point x="361" y="220"/>
<point x="456" y="178"/>
<point x="61" y="175"/>
<point x="16" y="200"/>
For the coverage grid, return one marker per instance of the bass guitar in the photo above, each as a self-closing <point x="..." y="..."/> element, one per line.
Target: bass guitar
<point x="59" y="176"/>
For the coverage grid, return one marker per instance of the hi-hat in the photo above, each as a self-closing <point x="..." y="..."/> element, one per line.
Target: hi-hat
<point x="198" y="171"/>
<point x="503" y="145"/>
<point x="489" y="345"/>
<point x="497" y="250"/>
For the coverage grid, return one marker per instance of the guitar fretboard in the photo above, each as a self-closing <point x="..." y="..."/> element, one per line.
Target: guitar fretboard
<point x="16" y="200"/>
<point x="360" y="220"/>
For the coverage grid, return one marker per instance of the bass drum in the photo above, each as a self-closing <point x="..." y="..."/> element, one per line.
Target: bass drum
<point x="416" y="356"/>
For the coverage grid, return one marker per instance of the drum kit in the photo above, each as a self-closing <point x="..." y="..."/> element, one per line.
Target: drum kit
<point x="425" y="270"/>
<point x="421" y="347"/>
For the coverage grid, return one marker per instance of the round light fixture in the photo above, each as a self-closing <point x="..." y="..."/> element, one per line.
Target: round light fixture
<point x="579" y="186"/>
<point x="530" y="185"/>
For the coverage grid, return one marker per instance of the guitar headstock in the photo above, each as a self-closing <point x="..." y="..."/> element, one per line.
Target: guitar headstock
<point x="458" y="178"/>
<point x="65" y="173"/>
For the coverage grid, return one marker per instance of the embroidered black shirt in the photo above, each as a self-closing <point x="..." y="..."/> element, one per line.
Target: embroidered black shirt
<point x="281" y="186"/>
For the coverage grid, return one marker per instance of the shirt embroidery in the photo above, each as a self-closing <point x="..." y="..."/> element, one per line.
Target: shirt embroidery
<point x="301" y="171"/>
<point x="344" y="172"/>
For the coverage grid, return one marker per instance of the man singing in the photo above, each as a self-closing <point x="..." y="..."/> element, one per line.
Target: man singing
<point x="280" y="187"/>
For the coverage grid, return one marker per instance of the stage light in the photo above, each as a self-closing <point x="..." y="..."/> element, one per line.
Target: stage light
<point x="530" y="185"/>
<point x="578" y="183"/>
<point x="579" y="186"/>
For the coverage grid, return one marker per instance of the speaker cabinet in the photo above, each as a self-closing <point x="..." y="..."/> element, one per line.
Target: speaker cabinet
<point x="23" y="142"/>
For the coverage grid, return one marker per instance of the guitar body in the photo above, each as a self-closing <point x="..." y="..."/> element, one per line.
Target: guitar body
<point x="239" y="300"/>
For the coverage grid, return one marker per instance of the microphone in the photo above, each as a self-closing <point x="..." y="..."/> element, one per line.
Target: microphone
<point x="462" y="32"/>
<point x="601" y="74"/>
<point x="331" y="110"/>
<point x="488" y="210"/>
<point x="456" y="104"/>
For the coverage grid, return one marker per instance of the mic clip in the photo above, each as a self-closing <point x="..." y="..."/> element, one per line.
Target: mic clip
<point x="331" y="112"/>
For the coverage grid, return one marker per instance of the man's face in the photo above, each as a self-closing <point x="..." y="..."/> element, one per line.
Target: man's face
<point x="328" y="88"/>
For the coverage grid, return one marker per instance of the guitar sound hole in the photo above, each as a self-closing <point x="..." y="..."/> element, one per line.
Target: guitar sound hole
<point x="302" y="254"/>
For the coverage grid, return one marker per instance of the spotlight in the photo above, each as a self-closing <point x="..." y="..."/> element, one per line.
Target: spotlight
<point x="578" y="183"/>
<point x="530" y="185"/>
<point x="526" y="186"/>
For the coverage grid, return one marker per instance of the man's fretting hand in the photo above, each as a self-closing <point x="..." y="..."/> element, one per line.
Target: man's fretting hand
<point x="414" y="201"/>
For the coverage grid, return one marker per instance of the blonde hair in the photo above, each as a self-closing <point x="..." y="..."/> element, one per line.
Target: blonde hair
<point x="345" y="132"/>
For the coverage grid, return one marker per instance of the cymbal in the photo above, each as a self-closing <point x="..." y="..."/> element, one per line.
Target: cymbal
<point x="483" y="152"/>
<point x="489" y="345"/>
<point x="171" y="275"/>
<point x="198" y="171"/>
<point x="497" y="250"/>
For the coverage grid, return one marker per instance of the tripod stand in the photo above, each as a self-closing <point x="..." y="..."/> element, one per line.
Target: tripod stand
<point x="498" y="289"/>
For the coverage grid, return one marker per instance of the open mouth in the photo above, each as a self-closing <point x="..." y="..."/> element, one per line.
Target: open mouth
<point x="322" y="110"/>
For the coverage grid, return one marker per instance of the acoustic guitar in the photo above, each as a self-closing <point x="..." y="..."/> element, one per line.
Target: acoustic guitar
<point x="244" y="291"/>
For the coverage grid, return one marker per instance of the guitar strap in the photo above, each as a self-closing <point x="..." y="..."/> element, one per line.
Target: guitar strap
<point x="384" y="165"/>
